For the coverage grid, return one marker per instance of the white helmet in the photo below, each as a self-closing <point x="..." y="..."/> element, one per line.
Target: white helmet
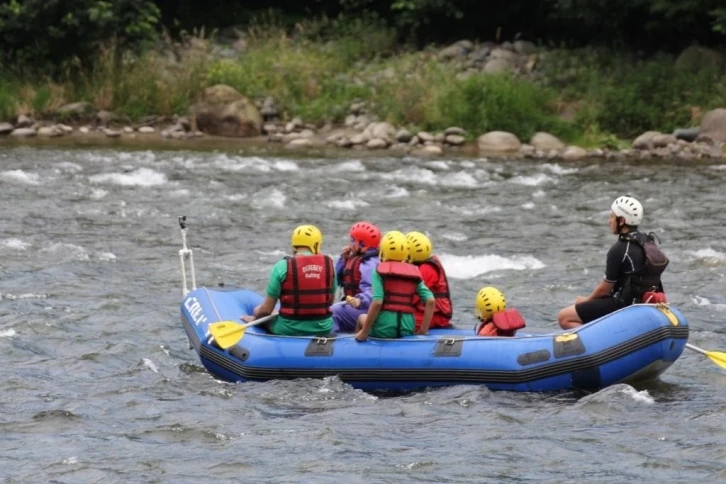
<point x="628" y="208"/>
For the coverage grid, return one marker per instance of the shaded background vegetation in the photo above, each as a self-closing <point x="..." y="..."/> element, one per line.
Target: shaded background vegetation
<point x="317" y="56"/>
<point x="45" y="34"/>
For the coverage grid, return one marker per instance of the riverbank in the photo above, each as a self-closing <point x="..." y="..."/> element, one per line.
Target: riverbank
<point x="510" y="98"/>
<point x="316" y="145"/>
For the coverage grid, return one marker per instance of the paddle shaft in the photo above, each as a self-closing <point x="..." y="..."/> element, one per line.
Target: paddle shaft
<point x="243" y="327"/>
<point x="696" y="349"/>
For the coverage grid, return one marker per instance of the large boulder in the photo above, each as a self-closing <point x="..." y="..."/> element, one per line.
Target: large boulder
<point x="645" y="140"/>
<point x="696" y="57"/>
<point x="546" y="142"/>
<point x="498" y="142"/>
<point x="223" y="111"/>
<point x="713" y="126"/>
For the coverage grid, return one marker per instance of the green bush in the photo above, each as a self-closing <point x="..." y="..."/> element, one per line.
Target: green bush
<point x="624" y="96"/>
<point x="8" y="101"/>
<point x="49" y="37"/>
<point x="306" y="78"/>
<point x="484" y="103"/>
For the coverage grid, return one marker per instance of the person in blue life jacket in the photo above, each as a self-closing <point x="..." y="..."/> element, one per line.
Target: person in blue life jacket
<point x="353" y="270"/>
<point x="633" y="269"/>
<point x="394" y="284"/>
<point x="304" y="284"/>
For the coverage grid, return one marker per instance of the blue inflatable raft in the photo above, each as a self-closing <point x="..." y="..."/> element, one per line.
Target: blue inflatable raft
<point x="636" y="343"/>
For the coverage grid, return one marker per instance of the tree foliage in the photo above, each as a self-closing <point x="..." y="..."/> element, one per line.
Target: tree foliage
<point x="50" y="35"/>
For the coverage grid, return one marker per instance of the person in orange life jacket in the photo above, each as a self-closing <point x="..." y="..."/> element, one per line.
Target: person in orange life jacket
<point x="305" y="286"/>
<point x="633" y="268"/>
<point x="394" y="284"/>
<point x="434" y="277"/>
<point x="353" y="269"/>
<point x="495" y="319"/>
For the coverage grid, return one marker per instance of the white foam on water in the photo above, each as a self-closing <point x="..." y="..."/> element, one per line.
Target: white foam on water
<point x="20" y="176"/>
<point x="468" y="266"/>
<point x="150" y="365"/>
<point x="704" y="301"/>
<point x="458" y="180"/>
<point x="181" y="193"/>
<point x="528" y="206"/>
<point x="269" y="199"/>
<point x="135" y="157"/>
<point x="478" y="211"/>
<point x="14" y="297"/>
<point x="410" y="174"/>
<point x="73" y="252"/>
<point x="396" y="192"/>
<point x="15" y="244"/>
<point x="701" y="301"/>
<point x="106" y="256"/>
<point x="285" y="165"/>
<point x="71" y="460"/>
<point x="532" y="180"/>
<point x="98" y="193"/>
<point x="237" y="163"/>
<point x="427" y="177"/>
<point x="356" y="166"/>
<point x="68" y="167"/>
<point x="718" y="167"/>
<point x="455" y="236"/>
<point x="7" y="333"/>
<point x="708" y="254"/>
<point x="556" y="169"/>
<point x="141" y="177"/>
<point x="346" y="204"/>
<point x="274" y="253"/>
<point x="236" y="197"/>
<point x="375" y="191"/>
<point x="639" y="396"/>
<point x="437" y="165"/>
<point x="539" y="194"/>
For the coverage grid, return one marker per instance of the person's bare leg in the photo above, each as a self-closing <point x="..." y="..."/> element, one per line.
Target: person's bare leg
<point x="360" y="321"/>
<point x="568" y="318"/>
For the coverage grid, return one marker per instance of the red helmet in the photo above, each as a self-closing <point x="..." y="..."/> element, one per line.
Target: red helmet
<point x="365" y="235"/>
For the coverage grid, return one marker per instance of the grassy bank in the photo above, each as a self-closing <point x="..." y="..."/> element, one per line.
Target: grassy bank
<point x="316" y="76"/>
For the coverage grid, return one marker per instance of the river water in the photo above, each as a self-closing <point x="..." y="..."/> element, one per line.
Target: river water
<point x="98" y="384"/>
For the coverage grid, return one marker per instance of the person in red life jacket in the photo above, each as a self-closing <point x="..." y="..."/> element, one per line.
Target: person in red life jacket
<point x="632" y="272"/>
<point x="394" y="284"/>
<point x="434" y="277"/>
<point x="305" y="286"/>
<point x="490" y="308"/>
<point x="354" y="269"/>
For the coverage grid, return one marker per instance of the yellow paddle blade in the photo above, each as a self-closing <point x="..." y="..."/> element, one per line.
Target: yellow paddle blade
<point x="718" y="358"/>
<point x="227" y="333"/>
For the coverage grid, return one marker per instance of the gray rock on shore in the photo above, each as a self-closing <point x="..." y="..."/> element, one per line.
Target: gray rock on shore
<point x="498" y="142"/>
<point x="223" y="111"/>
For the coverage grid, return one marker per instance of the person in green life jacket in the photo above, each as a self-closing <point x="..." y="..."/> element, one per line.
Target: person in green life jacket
<point x="394" y="284"/>
<point x="304" y="284"/>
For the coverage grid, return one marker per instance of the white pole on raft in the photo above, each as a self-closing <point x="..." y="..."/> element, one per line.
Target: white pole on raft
<point x="184" y="254"/>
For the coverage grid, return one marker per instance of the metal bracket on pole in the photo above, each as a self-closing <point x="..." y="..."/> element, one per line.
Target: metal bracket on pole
<point x="186" y="254"/>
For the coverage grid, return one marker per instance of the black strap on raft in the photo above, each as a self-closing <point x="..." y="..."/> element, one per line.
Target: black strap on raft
<point x="399" y="319"/>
